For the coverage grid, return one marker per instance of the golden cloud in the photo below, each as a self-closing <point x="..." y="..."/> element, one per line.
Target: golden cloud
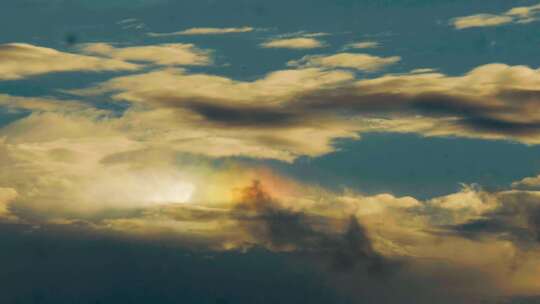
<point x="293" y="43"/>
<point x="162" y="54"/>
<point x="290" y="113"/>
<point x="522" y="14"/>
<point x="7" y="195"/>
<point x="481" y="20"/>
<point x="108" y="174"/>
<point x="205" y="31"/>
<point x="528" y="183"/>
<point x="362" y="45"/>
<point x="20" y="60"/>
<point x="363" y="62"/>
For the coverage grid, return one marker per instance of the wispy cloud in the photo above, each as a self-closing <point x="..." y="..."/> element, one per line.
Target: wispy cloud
<point x="362" y="45"/>
<point x="363" y="62"/>
<point x="205" y="31"/>
<point x="131" y="23"/>
<point x="20" y="60"/>
<point x="162" y="54"/>
<point x="294" y="43"/>
<point x="298" y="34"/>
<point x="522" y="14"/>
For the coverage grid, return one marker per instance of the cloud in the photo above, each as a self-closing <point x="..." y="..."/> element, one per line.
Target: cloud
<point x="362" y="62"/>
<point x="362" y="45"/>
<point x="205" y="31"/>
<point x="401" y="249"/>
<point x="471" y="199"/>
<point x="280" y="115"/>
<point x="528" y="183"/>
<point x="150" y="174"/>
<point x="347" y="235"/>
<point x="20" y="60"/>
<point x="41" y="104"/>
<point x="179" y="85"/>
<point x="80" y="169"/>
<point x="423" y="70"/>
<point x="131" y="24"/>
<point x="315" y="34"/>
<point x="294" y="43"/>
<point x="7" y="195"/>
<point x="162" y="54"/>
<point x="481" y="20"/>
<point x="123" y="176"/>
<point x="516" y="217"/>
<point x="285" y="229"/>
<point x="201" y="110"/>
<point x="522" y="14"/>
<point x="485" y="102"/>
<point x="205" y="275"/>
<point x="304" y="34"/>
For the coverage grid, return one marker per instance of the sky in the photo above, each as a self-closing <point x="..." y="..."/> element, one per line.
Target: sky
<point x="235" y="152"/>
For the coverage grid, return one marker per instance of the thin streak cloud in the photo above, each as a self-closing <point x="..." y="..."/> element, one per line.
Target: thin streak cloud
<point x="205" y="31"/>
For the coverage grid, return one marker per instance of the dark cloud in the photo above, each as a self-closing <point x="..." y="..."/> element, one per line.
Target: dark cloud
<point x="517" y="219"/>
<point x="239" y="116"/>
<point x="60" y="265"/>
<point x="293" y="253"/>
<point x="501" y="126"/>
<point x="349" y="259"/>
<point x="501" y="114"/>
<point x="69" y="264"/>
<point x="284" y="229"/>
<point x="521" y="95"/>
<point x="482" y="114"/>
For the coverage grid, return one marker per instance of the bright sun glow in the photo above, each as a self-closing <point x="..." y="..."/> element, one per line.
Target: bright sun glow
<point x="180" y="192"/>
<point x="140" y="189"/>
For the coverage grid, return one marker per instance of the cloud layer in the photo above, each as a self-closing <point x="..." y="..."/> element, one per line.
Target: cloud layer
<point x="78" y="169"/>
<point x="150" y="172"/>
<point x="273" y="116"/>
